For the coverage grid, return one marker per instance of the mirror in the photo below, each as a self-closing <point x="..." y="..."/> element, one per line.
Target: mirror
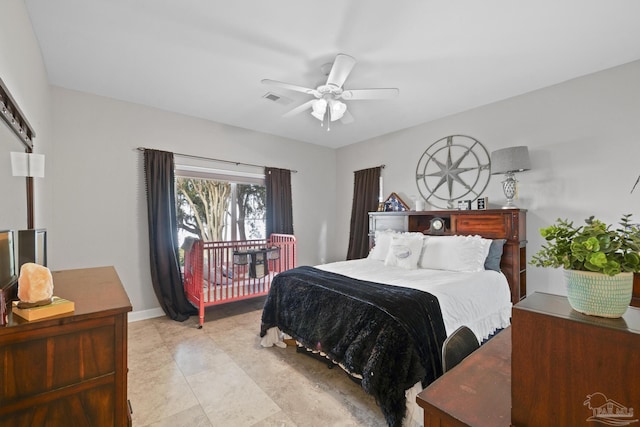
<point x="13" y="189"/>
<point x="16" y="193"/>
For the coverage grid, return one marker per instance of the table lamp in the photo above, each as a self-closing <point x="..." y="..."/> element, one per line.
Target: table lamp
<point x="508" y="161"/>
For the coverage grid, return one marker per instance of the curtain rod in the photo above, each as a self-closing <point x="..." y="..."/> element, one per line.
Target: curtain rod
<point x="380" y="166"/>
<point x="191" y="156"/>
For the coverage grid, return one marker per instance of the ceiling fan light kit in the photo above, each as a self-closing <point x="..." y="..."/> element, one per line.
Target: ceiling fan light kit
<point x="327" y="106"/>
<point x="335" y="111"/>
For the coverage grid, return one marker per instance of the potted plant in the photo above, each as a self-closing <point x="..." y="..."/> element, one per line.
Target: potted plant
<point x="598" y="263"/>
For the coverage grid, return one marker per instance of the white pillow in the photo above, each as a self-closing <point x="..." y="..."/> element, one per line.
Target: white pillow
<point x="405" y="251"/>
<point x="382" y="242"/>
<point x="455" y="253"/>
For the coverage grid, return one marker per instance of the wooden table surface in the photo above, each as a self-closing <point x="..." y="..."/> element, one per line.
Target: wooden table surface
<point x="96" y="292"/>
<point x="477" y="392"/>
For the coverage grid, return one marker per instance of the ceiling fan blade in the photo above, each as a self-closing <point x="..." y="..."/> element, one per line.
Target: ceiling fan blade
<point x="382" y="93"/>
<point x="347" y="118"/>
<point x="299" y="108"/>
<point x="290" y="86"/>
<point x="342" y="66"/>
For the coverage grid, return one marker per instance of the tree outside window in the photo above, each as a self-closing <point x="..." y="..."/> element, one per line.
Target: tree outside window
<point x="251" y="204"/>
<point x="215" y="210"/>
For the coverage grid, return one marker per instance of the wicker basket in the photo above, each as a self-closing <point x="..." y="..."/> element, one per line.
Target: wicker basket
<point x="598" y="294"/>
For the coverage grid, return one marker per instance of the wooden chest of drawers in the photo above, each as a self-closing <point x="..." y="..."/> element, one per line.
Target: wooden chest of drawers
<point x="569" y="369"/>
<point x="69" y="369"/>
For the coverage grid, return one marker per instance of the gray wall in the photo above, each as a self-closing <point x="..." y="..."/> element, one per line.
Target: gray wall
<point x="23" y="72"/>
<point x="100" y="213"/>
<point x="584" y="141"/>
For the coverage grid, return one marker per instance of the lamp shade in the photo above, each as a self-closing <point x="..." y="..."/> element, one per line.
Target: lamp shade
<point x="27" y="164"/>
<point x="512" y="159"/>
<point x="319" y="109"/>
<point x="337" y="109"/>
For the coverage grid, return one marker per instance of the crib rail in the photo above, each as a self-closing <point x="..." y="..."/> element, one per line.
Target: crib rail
<point x="288" y="251"/>
<point x="221" y="272"/>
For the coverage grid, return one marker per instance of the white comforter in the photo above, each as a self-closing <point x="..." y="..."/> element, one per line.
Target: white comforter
<point x="481" y="301"/>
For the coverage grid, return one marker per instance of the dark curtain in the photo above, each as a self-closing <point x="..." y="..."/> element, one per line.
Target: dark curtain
<point x="279" y="206"/>
<point x="366" y="186"/>
<point x="163" y="235"/>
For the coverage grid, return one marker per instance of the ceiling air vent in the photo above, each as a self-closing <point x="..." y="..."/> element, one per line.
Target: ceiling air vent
<point x="272" y="97"/>
<point x="277" y="98"/>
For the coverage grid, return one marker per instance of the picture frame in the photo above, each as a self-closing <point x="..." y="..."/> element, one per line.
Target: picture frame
<point x="482" y="203"/>
<point x="395" y="204"/>
<point x="464" y="205"/>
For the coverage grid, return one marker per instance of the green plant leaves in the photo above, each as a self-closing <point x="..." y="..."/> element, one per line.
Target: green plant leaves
<point x="591" y="247"/>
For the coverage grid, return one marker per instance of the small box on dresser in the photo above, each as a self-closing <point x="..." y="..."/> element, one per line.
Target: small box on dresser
<point x="569" y="369"/>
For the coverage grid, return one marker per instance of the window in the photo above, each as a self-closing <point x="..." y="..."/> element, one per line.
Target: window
<point x="218" y="205"/>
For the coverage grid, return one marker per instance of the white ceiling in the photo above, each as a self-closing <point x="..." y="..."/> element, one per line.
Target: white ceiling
<point x="206" y="58"/>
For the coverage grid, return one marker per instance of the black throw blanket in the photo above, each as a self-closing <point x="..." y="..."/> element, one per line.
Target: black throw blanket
<point x="389" y="335"/>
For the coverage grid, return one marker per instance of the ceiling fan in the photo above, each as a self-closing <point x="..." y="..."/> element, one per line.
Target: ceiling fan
<point x="327" y="106"/>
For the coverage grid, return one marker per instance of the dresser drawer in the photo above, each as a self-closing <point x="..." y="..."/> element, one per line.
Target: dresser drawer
<point x="489" y="226"/>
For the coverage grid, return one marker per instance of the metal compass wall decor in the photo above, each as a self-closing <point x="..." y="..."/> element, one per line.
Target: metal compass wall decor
<point x="456" y="167"/>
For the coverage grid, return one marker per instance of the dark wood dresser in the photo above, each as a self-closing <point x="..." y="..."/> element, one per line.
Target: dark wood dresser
<point x="569" y="369"/>
<point x="509" y="224"/>
<point x="552" y="367"/>
<point x="476" y="392"/>
<point x="70" y="369"/>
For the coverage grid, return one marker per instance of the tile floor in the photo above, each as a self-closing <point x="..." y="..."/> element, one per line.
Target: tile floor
<point x="220" y="376"/>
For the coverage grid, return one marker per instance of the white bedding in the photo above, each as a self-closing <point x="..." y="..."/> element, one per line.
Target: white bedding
<point x="480" y="300"/>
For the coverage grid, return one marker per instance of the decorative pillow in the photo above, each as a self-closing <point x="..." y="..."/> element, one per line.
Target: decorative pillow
<point x="405" y="251"/>
<point x="382" y="243"/>
<point x="455" y="253"/>
<point x="495" y="254"/>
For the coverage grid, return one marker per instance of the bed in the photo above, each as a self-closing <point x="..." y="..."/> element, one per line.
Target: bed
<point x="383" y="319"/>
<point x="225" y="271"/>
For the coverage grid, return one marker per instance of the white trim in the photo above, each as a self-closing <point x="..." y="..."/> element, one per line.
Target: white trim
<point x="135" y="316"/>
<point x="201" y="169"/>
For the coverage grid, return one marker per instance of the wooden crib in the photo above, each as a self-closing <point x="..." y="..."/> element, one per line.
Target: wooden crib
<point x="220" y="272"/>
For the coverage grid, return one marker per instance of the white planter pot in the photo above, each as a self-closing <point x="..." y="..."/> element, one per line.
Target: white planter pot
<point x="598" y="294"/>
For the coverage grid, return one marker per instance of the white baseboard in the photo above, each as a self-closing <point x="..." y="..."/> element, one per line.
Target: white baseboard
<point x="135" y="316"/>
